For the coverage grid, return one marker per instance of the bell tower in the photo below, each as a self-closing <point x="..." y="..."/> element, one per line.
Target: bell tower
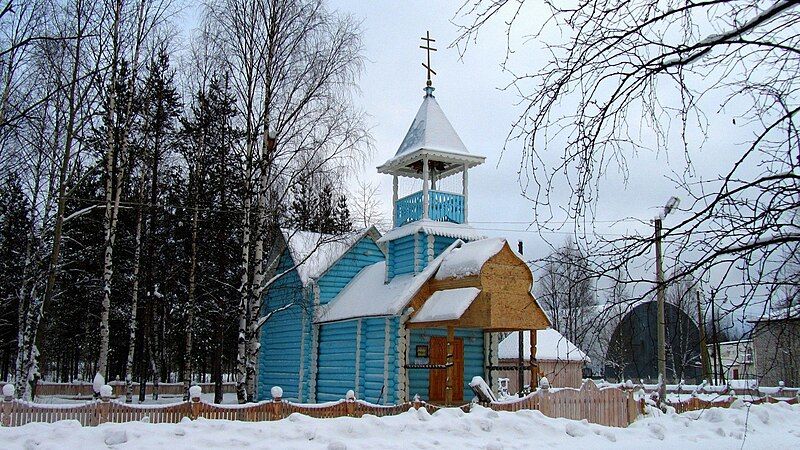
<point x="427" y="221"/>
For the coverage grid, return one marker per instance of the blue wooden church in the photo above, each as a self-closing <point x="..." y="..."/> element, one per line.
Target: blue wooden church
<point x="413" y="312"/>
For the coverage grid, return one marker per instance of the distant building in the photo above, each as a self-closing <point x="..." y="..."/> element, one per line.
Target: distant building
<point x="558" y="359"/>
<point x="735" y="362"/>
<point x="776" y="345"/>
<point x="632" y="349"/>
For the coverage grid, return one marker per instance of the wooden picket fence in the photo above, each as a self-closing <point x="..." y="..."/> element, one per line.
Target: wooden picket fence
<point x="694" y="403"/>
<point x="609" y="406"/>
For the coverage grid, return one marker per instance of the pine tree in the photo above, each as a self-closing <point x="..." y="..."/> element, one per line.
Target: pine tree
<point x="210" y="137"/>
<point x="344" y="223"/>
<point x="15" y="226"/>
<point x="324" y="219"/>
<point x="160" y="110"/>
<point x="305" y="206"/>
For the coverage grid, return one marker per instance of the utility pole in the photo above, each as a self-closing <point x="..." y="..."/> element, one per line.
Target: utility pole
<point x="720" y="371"/>
<point x="662" y="354"/>
<point x="520" y="345"/>
<point x="661" y="325"/>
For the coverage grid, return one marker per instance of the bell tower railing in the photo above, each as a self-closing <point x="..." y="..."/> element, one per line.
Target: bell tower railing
<point x="443" y="207"/>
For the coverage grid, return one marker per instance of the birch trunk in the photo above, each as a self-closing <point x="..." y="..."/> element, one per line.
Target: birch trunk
<point x="187" y="366"/>
<point x="137" y="257"/>
<point x="244" y="296"/>
<point x="29" y="332"/>
<point x="110" y="219"/>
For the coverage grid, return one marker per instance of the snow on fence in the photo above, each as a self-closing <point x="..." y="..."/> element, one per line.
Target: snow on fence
<point x="608" y="406"/>
<point x="84" y="388"/>
<point x="616" y="406"/>
<point x="734" y="387"/>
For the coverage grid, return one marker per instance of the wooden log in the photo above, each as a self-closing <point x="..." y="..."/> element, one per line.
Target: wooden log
<point x="451" y="332"/>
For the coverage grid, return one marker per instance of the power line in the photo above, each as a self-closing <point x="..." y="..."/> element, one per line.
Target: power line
<point x="241" y="211"/>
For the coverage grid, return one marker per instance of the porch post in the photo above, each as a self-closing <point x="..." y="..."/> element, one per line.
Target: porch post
<point x="451" y="333"/>
<point x="534" y="366"/>
<point x="464" y="192"/>
<point x="394" y="201"/>
<point x="520" y="363"/>
<point x="425" y="179"/>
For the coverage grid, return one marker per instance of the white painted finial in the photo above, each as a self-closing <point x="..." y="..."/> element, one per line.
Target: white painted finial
<point x="195" y="391"/>
<point x="276" y="391"/>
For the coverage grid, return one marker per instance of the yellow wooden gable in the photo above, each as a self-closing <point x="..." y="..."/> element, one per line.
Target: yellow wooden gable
<point x="504" y="303"/>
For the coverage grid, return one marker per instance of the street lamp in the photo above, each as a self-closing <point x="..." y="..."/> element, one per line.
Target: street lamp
<point x="662" y="354"/>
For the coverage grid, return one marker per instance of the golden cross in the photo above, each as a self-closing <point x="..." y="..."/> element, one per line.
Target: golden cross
<point x="428" y="48"/>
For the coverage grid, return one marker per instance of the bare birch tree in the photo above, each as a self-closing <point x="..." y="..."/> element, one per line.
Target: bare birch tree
<point x="61" y="112"/>
<point x="642" y="75"/>
<point x="131" y="23"/>
<point x="293" y="65"/>
<point x="565" y="289"/>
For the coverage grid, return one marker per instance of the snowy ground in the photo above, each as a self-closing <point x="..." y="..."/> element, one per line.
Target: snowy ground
<point x="775" y="426"/>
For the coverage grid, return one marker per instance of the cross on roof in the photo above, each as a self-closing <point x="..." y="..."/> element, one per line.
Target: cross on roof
<point x="428" y="48"/>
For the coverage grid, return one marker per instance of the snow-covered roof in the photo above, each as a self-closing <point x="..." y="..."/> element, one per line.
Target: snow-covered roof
<point x="446" y="229"/>
<point x="315" y="253"/>
<point x="790" y="313"/>
<point x="431" y="133"/>
<point x="468" y="259"/>
<point x="550" y="346"/>
<point x="449" y="304"/>
<point x="366" y="295"/>
<point x="431" y="130"/>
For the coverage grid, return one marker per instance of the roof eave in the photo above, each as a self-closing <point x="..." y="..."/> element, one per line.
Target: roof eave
<point x="401" y="162"/>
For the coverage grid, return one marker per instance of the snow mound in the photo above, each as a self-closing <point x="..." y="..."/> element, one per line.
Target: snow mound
<point x="759" y="426"/>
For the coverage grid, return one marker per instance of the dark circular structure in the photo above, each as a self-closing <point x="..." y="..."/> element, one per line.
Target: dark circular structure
<point x="632" y="351"/>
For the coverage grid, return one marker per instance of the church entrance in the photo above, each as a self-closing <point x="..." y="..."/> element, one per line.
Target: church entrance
<point x="438" y="377"/>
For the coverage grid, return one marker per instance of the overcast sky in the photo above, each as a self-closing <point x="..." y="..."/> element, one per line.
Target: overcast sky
<point x="469" y="91"/>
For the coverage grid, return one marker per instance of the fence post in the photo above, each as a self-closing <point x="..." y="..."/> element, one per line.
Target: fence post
<point x="277" y="402"/>
<point x="194" y="398"/>
<point x="545" y="402"/>
<point x="417" y="404"/>
<point x="105" y="404"/>
<point x="631" y="404"/>
<point x="351" y="403"/>
<point x="8" y="401"/>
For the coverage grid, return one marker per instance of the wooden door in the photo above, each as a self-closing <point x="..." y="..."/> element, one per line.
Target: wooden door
<point x="437" y="378"/>
<point x="458" y="362"/>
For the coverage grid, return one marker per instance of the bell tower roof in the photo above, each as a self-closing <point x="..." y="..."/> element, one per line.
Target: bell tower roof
<point x="432" y="135"/>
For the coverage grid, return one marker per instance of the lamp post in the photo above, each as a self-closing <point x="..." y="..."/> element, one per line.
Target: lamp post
<point x="662" y="353"/>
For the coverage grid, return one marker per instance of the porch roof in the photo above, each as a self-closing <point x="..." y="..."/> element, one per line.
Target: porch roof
<point x="449" y="304"/>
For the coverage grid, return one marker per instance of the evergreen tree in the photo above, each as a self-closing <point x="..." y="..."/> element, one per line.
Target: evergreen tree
<point x="209" y="138"/>
<point x="324" y="220"/>
<point x="344" y="223"/>
<point x="305" y="204"/>
<point x="160" y="111"/>
<point x="15" y="227"/>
